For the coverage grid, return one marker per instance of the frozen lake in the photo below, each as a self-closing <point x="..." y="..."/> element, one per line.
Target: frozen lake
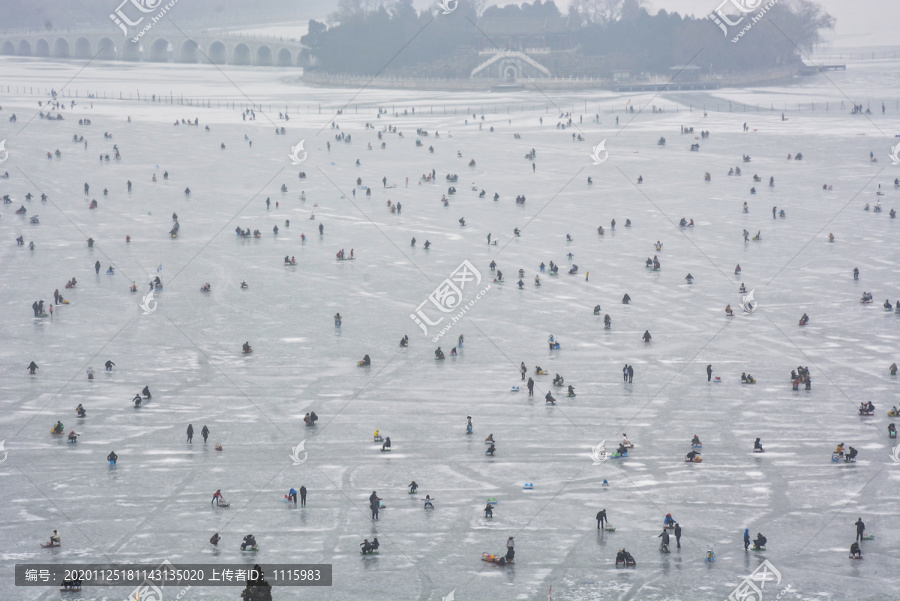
<point x="154" y="505"/>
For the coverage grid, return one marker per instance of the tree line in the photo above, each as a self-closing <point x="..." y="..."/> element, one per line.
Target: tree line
<point x="366" y="37"/>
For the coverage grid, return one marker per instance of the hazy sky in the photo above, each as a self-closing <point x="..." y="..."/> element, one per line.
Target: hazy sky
<point x="859" y="22"/>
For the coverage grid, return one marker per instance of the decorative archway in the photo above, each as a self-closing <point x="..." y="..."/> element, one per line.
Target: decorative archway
<point x="24" y="48"/>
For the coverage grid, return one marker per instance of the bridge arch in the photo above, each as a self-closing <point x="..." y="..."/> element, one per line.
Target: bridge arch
<point x="189" y="52"/>
<point x="241" y="54"/>
<point x="61" y="48"/>
<point x="217" y="53"/>
<point x="159" y="50"/>
<point x="162" y="47"/>
<point x="106" y="49"/>
<point x="264" y="56"/>
<point x="131" y="51"/>
<point x="82" y="48"/>
<point x="285" y="58"/>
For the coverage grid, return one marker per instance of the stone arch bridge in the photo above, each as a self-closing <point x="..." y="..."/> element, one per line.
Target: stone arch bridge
<point x="159" y="44"/>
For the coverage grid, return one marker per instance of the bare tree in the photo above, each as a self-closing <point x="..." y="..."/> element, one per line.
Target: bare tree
<point x="599" y="12"/>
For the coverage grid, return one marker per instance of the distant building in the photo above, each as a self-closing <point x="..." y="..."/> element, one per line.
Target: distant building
<point x="522" y="33"/>
<point x="686" y="73"/>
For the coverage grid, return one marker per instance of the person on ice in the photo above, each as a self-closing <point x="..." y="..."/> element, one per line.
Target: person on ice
<point x="217" y="498"/>
<point x="413" y="487"/>
<point x="249" y="542"/>
<point x="860" y="529"/>
<point x="601" y="519"/>
<point x="664" y="545"/>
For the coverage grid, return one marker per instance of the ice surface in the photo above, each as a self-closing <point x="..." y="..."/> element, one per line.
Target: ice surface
<point x="155" y="504"/>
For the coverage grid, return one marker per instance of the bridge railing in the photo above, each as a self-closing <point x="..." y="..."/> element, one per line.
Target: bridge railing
<point x="160" y="30"/>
